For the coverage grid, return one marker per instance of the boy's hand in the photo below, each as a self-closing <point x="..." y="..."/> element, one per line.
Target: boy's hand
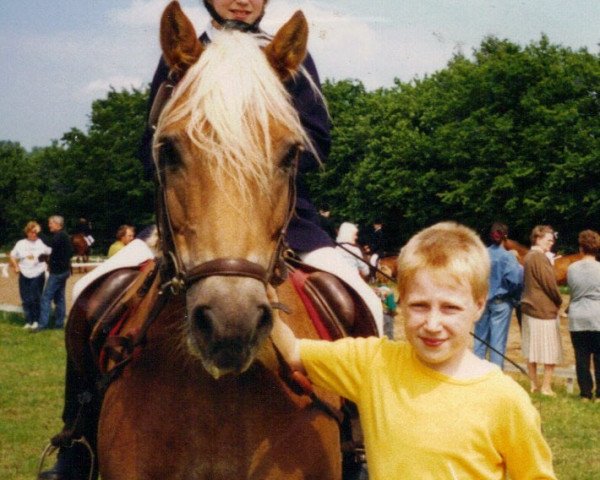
<point x="283" y="337"/>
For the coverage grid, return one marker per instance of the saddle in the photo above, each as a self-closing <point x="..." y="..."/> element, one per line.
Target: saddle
<point x="334" y="307"/>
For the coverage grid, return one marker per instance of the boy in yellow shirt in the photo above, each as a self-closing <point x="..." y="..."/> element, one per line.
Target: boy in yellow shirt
<point x="431" y="409"/>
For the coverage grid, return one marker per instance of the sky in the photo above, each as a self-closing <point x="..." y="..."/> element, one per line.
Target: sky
<point x="57" y="57"/>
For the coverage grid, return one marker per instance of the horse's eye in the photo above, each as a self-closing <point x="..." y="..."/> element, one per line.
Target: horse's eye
<point x="168" y="156"/>
<point x="291" y="157"/>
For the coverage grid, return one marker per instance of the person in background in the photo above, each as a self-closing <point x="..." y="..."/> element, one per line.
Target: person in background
<point x="125" y="234"/>
<point x="390" y="307"/>
<point x="25" y="261"/>
<point x="583" y="278"/>
<point x="429" y="407"/>
<point x="376" y="241"/>
<point x="541" y="300"/>
<point x="348" y="248"/>
<point x="354" y="270"/>
<point x="59" y="266"/>
<point x="84" y="227"/>
<point x="506" y="285"/>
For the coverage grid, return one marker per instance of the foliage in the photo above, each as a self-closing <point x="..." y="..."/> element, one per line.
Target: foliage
<point x="95" y="175"/>
<point x="511" y="134"/>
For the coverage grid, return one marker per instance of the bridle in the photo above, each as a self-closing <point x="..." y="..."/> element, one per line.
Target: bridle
<point x="176" y="277"/>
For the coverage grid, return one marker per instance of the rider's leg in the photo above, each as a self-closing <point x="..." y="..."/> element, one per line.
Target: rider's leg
<point x="80" y="417"/>
<point x="331" y="261"/>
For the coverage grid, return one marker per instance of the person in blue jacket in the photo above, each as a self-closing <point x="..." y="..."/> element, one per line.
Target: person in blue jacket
<point x="506" y="285"/>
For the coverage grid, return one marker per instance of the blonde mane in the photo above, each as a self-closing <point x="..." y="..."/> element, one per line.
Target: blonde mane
<point x="230" y="98"/>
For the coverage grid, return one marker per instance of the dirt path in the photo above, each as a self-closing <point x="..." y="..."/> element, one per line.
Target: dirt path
<point x="9" y="289"/>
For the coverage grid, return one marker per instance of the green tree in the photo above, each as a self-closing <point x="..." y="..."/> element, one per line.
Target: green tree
<point x="510" y="134"/>
<point x="12" y="158"/>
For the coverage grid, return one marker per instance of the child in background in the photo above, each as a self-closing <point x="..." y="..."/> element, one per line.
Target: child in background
<point x="429" y="407"/>
<point x="386" y="294"/>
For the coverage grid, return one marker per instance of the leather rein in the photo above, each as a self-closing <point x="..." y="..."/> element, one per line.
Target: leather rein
<point x="176" y="277"/>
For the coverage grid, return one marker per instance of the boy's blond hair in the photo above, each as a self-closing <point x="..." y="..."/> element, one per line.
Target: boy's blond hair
<point x="449" y="250"/>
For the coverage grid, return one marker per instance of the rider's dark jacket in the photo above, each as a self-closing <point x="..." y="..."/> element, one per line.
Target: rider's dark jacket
<point x="304" y="233"/>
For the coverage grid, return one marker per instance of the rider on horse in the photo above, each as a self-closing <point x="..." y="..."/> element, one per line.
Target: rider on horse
<point x="84" y="227"/>
<point x="304" y="235"/>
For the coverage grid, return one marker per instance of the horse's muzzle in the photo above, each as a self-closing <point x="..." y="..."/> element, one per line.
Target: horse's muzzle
<point x="228" y="330"/>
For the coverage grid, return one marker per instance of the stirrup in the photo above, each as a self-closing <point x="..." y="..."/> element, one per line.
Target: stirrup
<point x="51" y="448"/>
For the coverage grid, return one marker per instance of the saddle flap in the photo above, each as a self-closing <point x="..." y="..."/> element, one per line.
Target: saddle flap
<point x="335" y="308"/>
<point x="100" y="303"/>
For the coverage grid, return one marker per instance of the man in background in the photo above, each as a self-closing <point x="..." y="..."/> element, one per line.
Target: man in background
<point x="59" y="267"/>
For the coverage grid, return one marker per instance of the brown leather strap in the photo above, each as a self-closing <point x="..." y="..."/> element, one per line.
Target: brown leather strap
<point x="227" y="267"/>
<point x="163" y="94"/>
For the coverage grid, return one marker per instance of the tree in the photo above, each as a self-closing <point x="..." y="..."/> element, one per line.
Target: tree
<point x="510" y="134"/>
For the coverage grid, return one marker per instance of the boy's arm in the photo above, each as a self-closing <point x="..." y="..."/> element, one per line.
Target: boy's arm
<point x="526" y="451"/>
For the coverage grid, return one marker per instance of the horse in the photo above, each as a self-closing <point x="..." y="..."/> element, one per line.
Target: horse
<point x="81" y="248"/>
<point x="519" y="250"/>
<point x="561" y="262"/>
<point x="203" y="398"/>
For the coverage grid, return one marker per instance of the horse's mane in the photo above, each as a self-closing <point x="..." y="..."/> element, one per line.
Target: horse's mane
<point x="231" y="95"/>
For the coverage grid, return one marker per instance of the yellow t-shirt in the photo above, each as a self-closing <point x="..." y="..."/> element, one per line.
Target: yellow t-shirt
<point x="114" y="248"/>
<point x="421" y="424"/>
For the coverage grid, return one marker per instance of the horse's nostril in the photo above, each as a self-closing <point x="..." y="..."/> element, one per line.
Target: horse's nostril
<point x="202" y="321"/>
<point x="266" y="318"/>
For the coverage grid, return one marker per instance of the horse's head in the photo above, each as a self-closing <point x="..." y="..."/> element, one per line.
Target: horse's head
<point x="225" y="148"/>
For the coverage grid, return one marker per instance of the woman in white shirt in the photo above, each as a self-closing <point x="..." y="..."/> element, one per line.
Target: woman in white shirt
<point x="346" y="241"/>
<point x="25" y="261"/>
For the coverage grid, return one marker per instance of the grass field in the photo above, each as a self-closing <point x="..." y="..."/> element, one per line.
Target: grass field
<point x="31" y="391"/>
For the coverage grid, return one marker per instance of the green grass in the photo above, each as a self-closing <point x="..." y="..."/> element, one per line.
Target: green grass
<point x="31" y="394"/>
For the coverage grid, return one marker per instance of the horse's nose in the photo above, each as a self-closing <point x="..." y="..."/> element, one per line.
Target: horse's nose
<point x="229" y="342"/>
<point x="217" y="326"/>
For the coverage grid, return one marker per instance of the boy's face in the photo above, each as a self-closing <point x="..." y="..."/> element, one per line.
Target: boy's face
<point x="439" y="314"/>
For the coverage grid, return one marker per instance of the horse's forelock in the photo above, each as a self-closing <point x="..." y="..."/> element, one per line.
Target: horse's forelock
<point x="228" y="99"/>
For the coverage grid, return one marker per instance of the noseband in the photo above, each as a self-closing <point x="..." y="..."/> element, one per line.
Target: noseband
<point x="178" y="278"/>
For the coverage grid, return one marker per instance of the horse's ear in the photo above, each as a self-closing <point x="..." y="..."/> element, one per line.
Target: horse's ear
<point x="288" y="49"/>
<point x="178" y="40"/>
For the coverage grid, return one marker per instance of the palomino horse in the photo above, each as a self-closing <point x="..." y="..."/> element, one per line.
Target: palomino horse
<point x="561" y="263"/>
<point x="202" y="399"/>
